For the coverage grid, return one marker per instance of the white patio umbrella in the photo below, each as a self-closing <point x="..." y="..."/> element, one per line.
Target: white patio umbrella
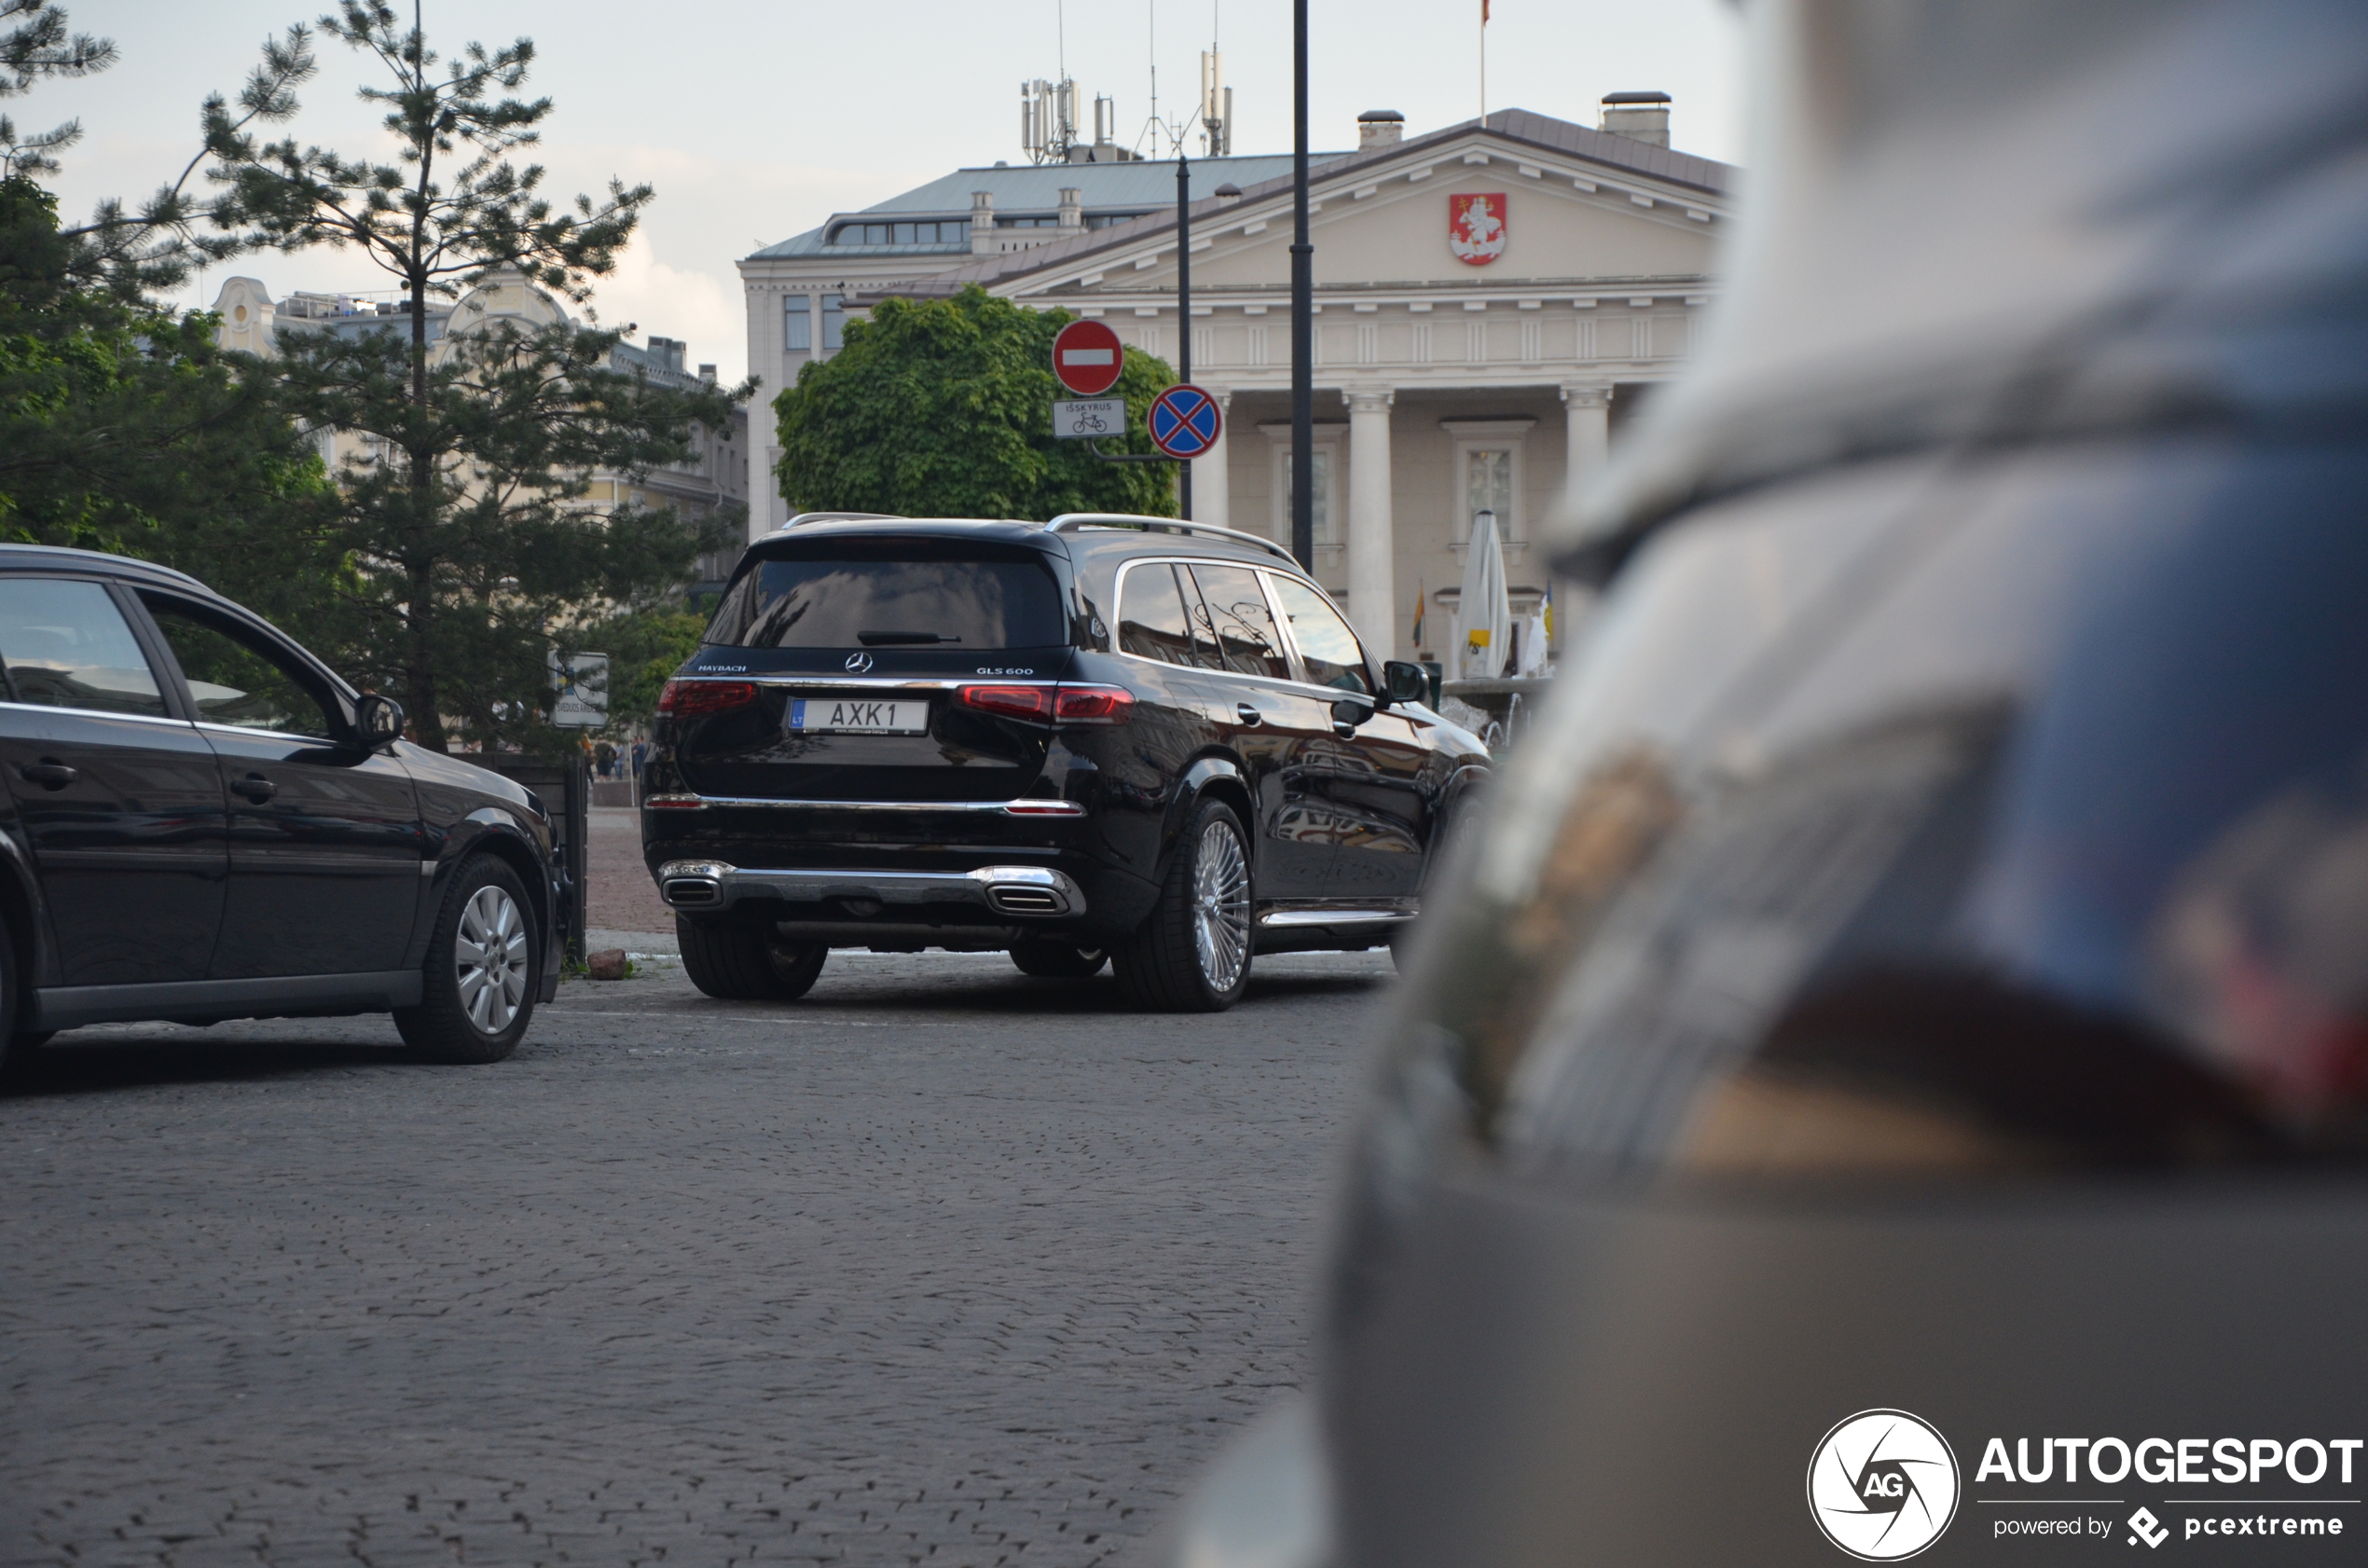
<point x="1487" y="614"/>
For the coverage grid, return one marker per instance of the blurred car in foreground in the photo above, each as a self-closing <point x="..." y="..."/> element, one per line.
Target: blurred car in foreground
<point x="1890" y="1077"/>
<point x="204" y="823"/>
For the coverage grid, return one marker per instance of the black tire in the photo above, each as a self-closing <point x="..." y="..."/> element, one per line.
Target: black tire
<point x="1055" y="960"/>
<point x="746" y="960"/>
<point x="1165" y="966"/>
<point x="476" y="1001"/>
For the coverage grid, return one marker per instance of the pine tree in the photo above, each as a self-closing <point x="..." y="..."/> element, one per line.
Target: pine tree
<point x="471" y="548"/>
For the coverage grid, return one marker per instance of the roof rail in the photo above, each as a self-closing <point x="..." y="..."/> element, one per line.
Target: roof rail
<point x="804" y="517"/>
<point x="1073" y="522"/>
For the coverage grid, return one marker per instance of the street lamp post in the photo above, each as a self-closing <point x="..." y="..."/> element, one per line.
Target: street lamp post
<point x="1303" y="313"/>
<point x="1183" y="309"/>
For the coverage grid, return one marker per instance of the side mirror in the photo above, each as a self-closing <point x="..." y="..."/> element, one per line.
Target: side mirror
<point x="1349" y="712"/>
<point x="378" y="721"/>
<point x="1404" y="681"/>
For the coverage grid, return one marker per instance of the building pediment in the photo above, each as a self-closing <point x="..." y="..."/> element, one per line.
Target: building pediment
<point x="1574" y="204"/>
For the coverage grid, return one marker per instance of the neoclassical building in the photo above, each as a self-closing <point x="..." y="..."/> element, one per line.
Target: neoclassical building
<point x="1492" y="301"/>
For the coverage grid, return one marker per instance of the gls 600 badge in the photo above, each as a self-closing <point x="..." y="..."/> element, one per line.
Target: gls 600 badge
<point x="1883" y="1485"/>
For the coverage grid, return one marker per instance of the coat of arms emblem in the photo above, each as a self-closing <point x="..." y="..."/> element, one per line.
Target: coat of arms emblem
<point x="1475" y="227"/>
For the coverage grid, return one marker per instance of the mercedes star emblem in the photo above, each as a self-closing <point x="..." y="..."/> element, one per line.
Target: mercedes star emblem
<point x="858" y="664"/>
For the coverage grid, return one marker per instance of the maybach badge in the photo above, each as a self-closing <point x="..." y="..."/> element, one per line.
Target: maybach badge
<point x="1475" y="227"/>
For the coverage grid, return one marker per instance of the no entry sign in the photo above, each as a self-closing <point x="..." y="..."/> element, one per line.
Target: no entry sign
<point x="1086" y="358"/>
<point x="1184" y="422"/>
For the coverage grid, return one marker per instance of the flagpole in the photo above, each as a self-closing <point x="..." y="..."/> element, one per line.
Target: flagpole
<point x="1483" y="41"/>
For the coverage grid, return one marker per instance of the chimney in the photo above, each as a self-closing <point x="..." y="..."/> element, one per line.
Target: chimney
<point x="981" y="223"/>
<point x="1229" y="191"/>
<point x="1379" y="128"/>
<point x="1072" y="211"/>
<point x="1640" y="117"/>
<point x="707" y="372"/>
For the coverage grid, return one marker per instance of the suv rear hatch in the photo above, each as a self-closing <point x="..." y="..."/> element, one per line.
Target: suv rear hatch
<point x="846" y="668"/>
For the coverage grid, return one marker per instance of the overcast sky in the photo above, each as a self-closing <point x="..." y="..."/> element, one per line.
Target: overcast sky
<point x="756" y="121"/>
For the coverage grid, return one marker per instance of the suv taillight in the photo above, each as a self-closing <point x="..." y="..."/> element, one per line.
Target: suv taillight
<point x="1093" y="705"/>
<point x="688" y="699"/>
<point x="1042" y="704"/>
<point x="1009" y="702"/>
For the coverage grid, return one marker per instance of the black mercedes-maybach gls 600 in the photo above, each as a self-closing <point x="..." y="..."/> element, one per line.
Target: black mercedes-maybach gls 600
<point x="1105" y="738"/>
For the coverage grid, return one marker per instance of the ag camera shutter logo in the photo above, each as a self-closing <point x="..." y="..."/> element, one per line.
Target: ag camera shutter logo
<point x="1883" y="1485"/>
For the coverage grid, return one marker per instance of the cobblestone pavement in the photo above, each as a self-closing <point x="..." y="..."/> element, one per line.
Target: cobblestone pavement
<point x="621" y="895"/>
<point x="939" y="1266"/>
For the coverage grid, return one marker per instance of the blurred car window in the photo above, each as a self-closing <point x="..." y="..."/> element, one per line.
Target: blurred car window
<point x="68" y="646"/>
<point x="1236" y="618"/>
<point x="236" y="678"/>
<point x="1326" y="644"/>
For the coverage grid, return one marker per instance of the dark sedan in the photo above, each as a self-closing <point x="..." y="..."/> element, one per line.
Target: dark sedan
<point x="203" y="822"/>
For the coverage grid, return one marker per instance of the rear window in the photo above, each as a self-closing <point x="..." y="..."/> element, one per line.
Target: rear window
<point x="964" y="604"/>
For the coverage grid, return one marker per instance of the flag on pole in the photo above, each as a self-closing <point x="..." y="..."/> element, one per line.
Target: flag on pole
<point x="1483" y="13"/>
<point x="1419" y="597"/>
<point x="1549" y="610"/>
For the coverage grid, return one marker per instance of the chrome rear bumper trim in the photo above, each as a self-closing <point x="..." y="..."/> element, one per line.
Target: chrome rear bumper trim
<point x="1026" y="892"/>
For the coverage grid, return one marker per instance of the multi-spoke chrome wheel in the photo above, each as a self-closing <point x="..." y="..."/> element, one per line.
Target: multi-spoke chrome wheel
<point x="1221" y="906"/>
<point x="489" y="957"/>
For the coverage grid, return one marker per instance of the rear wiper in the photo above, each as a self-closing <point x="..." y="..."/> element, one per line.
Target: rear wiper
<point x="877" y="639"/>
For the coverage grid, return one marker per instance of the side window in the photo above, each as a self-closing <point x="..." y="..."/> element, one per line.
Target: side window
<point x="1236" y="617"/>
<point x="1325" y="645"/>
<point x="1152" y="623"/>
<point x="238" y="678"/>
<point x="68" y="646"/>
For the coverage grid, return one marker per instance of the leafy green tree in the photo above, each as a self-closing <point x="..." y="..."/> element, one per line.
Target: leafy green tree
<point x="123" y="428"/>
<point x="473" y="550"/>
<point x="943" y="408"/>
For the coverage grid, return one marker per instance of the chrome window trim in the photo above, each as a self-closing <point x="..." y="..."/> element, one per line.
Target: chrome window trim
<point x="205" y="724"/>
<point x="99" y="713"/>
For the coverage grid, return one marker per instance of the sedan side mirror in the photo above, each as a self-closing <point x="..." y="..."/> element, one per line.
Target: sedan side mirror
<point x="377" y="719"/>
<point x="1405" y="681"/>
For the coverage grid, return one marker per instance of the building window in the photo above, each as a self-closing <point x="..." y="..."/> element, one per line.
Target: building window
<point x="1488" y="478"/>
<point x="1488" y="484"/>
<point x="797" y="323"/>
<point x="942" y="231"/>
<point x="834" y="322"/>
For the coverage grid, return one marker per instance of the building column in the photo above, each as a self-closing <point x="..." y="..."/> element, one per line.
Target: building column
<point x="1372" y="561"/>
<point x="1212" y="481"/>
<point x="1588" y="411"/>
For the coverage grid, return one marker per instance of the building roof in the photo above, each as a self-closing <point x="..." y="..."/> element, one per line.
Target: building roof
<point x="1133" y="187"/>
<point x="1519" y="125"/>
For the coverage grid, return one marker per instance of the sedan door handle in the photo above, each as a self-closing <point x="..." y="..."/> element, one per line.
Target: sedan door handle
<point x="1246" y="713"/>
<point x="49" y="773"/>
<point x="255" y="787"/>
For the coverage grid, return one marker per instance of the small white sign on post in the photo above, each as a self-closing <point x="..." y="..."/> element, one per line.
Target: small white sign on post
<point x="1085" y="417"/>
<point x="582" y="683"/>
